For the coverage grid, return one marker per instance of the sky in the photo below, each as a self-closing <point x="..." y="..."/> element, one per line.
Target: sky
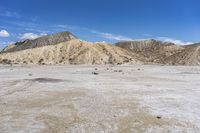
<point x="112" y="21"/>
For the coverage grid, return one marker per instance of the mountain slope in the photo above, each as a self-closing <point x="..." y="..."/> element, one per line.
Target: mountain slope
<point x="164" y="53"/>
<point x="190" y="55"/>
<point x="153" y="51"/>
<point x="65" y="48"/>
<point x="41" y="41"/>
<point x="71" y="52"/>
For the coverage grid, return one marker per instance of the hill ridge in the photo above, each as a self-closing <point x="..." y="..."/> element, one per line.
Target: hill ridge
<point x="66" y="48"/>
<point x="39" y="42"/>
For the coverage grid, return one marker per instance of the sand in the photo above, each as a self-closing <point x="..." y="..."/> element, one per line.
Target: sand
<point x="99" y="99"/>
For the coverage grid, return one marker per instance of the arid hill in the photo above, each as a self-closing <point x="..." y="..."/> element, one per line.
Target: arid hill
<point x="65" y="48"/>
<point x="39" y="42"/>
<point x="159" y="52"/>
<point x="71" y="52"/>
<point x="189" y="55"/>
<point x="152" y="50"/>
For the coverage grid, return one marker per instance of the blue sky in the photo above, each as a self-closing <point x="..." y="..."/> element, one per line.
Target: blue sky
<point x="101" y="20"/>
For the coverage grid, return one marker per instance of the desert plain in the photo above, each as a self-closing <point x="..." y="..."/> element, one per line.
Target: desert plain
<point x="99" y="99"/>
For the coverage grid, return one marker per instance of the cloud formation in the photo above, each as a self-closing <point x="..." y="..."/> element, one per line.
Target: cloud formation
<point x="67" y="27"/>
<point x="4" y="33"/>
<point x="111" y="36"/>
<point x="31" y="36"/>
<point x="10" y="14"/>
<point x="175" y="41"/>
<point x="104" y="35"/>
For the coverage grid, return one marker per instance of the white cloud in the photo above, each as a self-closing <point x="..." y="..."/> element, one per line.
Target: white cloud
<point x="115" y="37"/>
<point x="31" y="36"/>
<point x="175" y="41"/>
<point x="10" y="14"/>
<point x="66" y="26"/>
<point x="4" y="33"/>
<point x="111" y="36"/>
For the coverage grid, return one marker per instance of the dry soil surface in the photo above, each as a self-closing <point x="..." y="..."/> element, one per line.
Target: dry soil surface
<point x="99" y="99"/>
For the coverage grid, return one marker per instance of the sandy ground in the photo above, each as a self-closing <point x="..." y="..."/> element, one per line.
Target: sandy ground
<point x="119" y="99"/>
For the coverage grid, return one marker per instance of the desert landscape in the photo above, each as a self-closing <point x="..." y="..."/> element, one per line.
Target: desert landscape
<point x="99" y="98"/>
<point x="60" y="84"/>
<point x="66" y="48"/>
<point x="100" y="66"/>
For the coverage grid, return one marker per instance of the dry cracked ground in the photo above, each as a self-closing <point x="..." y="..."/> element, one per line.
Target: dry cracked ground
<point x="99" y="99"/>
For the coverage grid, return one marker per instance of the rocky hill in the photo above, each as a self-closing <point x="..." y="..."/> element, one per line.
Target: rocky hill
<point x="189" y="55"/>
<point x="65" y="48"/>
<point x="152" y="50"/>
<point x="159" y="52"/>
<point x="71" y="52"/>
<point x="39" y="42"/>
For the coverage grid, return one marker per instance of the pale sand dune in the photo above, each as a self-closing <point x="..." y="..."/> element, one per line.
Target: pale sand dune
<point x="119" y="99"/>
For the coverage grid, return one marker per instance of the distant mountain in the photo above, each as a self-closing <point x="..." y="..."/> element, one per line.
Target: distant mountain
<point x="39" y="42"/>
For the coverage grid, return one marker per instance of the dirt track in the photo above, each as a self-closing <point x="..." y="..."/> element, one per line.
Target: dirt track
<point x="123" y="99"/>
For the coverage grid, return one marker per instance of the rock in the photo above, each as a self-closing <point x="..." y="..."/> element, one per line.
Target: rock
<point x="6" y="61"/>
<point x="114" y="116"/>
<point x="95" y="73"/>
<point x="117" y="70"/>
<point x="158" y="117"/>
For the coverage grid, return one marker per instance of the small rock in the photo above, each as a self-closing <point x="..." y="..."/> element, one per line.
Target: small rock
<point x="95" y="73"/>
<point x="30" y="74"/>
<point x="120" y="71"/>
<point x="96" y="69"/>
<point x="158" y="117"/>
